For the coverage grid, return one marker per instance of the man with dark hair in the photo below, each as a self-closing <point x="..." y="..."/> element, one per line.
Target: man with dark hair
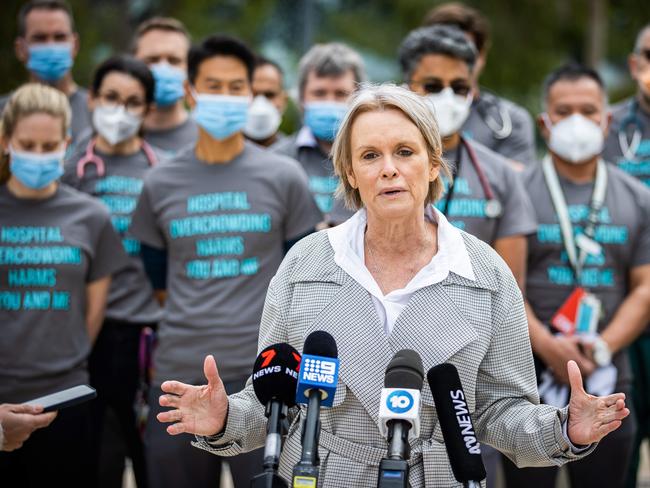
<point x="588" y="284"/>
<point x="628" y="147"/>
<point x="47" y="45"/>
<point x="269" y="103"/>
<point x="217" y="218"/>
<point x="486" y="197"/>
<point x="328" y="74"/>
<point x="163" y="43"/>
<point x="495" y="122"/>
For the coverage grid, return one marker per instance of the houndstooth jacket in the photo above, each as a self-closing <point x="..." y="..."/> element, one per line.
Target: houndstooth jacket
<point x="479" y="326"/>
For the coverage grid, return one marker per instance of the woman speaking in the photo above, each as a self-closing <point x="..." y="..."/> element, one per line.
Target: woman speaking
<point x="397" y="275"/>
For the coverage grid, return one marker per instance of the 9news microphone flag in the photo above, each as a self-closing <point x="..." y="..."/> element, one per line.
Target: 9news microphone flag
<point x="399" y="416"/>
<point x="275" y="377"/>
<point x="463" y="448"/>
<point x="319" y="373"/>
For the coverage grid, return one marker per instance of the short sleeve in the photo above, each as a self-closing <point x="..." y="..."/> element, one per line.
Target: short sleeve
<point x="144" y="222"/>
<point x="109" y="255"/>
<point x="302" y="213"/>
<point x="518" y="213"/>
<point x="521" y="143"/>
<point x="641" y="252"/>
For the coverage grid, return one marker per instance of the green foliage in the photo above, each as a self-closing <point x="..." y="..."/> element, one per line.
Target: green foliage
<point x="529" y="38"/>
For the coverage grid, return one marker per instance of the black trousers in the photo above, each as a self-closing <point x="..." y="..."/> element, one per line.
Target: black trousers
<point x="114" y="373"/>
<point x="173" y="462"/>
<point x="58" y="455"/>
<point x="606" y="466"/>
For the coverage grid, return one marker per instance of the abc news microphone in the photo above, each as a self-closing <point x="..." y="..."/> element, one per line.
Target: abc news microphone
<point x="399" y="416"/>
<point x="275" y="377"/>
<point x="463" y="448"/>
<point x="319" y="372"/>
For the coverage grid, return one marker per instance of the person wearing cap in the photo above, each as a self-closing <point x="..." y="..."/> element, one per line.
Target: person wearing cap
<point x="494" y="121"/>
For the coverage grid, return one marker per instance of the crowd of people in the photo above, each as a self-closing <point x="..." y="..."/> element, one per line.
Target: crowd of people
<point x="143" y="219"/>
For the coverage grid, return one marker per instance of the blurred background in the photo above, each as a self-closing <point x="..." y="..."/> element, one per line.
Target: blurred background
<point x="528" y="37"/>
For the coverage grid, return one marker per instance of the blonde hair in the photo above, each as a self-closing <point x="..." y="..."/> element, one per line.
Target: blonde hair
<point x="375" y="98"/>
<point x="31" y="98"/>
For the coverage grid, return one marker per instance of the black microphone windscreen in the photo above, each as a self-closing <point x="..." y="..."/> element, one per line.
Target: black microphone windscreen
<point x="275" y="374"/>
<point x="320" y="343"/>
<point x="463" y="447"/>
<point x="405" y="371"/>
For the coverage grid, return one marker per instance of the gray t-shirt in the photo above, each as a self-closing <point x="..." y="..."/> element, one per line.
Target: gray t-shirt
<point x="81" y="120"/>
<point x="623" y="233"/>
<point x="224" y="227"/>
<point x="466" y="210"/>
<point x="639" y="166"/>
<point x="320" y="171"/>
<point x="50" y="250"/>
<point x="172" y="141"/>
<point x="131" y="296"/>
<point x="488" y="109"/>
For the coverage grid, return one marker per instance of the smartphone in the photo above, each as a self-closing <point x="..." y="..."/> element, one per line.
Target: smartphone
<point x="65" y="398"/>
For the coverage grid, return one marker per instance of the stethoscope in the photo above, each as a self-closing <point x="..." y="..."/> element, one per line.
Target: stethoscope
<point x="91" y="158"/>
<point x="502" y="130"/>
<point x="493" y="208"/>
<point x="629" y="147"/>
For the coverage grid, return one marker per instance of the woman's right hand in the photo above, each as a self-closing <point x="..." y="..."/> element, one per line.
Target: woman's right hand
<point x="199" y="410"/>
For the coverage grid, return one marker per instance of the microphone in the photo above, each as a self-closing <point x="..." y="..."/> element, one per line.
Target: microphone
<point x="399" y="416"/>
<point x="463" y="448"/>
<point x="317" y="380"/>
<point x="275" y="376"/>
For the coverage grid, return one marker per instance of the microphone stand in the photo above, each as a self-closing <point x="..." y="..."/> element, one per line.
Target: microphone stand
<point x="394" y="469"/>
<point x="305" y="472"/>
<point x="276" y="412"/>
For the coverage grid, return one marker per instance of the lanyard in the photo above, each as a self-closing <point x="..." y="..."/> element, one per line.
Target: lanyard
<point x="493" y="208"/>
<point x="576" y="258"/>
<point x="629" y="146"/>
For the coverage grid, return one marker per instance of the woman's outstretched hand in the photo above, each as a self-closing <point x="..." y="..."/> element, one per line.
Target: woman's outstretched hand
<point x="199" y="410"/>
<point x="590" y="417"/>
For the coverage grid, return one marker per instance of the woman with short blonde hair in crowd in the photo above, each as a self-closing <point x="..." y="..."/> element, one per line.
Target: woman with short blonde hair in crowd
<point x="57" y="252"/>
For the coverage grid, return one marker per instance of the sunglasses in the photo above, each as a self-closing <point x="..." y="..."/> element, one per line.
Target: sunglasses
<point x="431" y="87"/>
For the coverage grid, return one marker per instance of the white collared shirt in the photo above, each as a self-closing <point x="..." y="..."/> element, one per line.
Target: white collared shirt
<point x="347" y="241"/>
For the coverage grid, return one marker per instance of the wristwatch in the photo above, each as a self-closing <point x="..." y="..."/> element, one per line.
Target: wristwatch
<point x="602" y="353"/>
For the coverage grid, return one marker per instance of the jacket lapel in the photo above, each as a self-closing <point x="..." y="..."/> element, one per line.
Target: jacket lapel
<point x="363" y="349"/>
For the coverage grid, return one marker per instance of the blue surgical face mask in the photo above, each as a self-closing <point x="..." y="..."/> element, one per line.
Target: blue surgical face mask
<point x="35" y="170"/>
<point x="169" y="84"/>
<point x="220" y="115"/>
<point x="50" y="61"/>
<point x="324" y="118"/>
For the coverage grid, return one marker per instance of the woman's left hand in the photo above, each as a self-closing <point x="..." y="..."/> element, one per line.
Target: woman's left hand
<point x="590" y="417"/>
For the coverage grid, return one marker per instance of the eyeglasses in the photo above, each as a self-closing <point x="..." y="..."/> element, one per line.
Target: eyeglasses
<point x="435" y="86"/>
<point x="135" y="106"/>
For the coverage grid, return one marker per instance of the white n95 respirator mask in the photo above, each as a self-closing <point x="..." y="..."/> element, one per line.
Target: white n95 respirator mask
<point x="263" y="119"/>
<point x="115" y="124"/>
<point x="451" y="110"/>
<point x="575" y="139"/>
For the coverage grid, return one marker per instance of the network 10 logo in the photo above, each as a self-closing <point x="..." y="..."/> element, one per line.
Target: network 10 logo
<point x="399" y="401"/>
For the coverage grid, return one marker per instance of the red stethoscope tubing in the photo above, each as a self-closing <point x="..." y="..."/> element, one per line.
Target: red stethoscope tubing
<point x="485" y="184"/>
<point x="91" y="158"/>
